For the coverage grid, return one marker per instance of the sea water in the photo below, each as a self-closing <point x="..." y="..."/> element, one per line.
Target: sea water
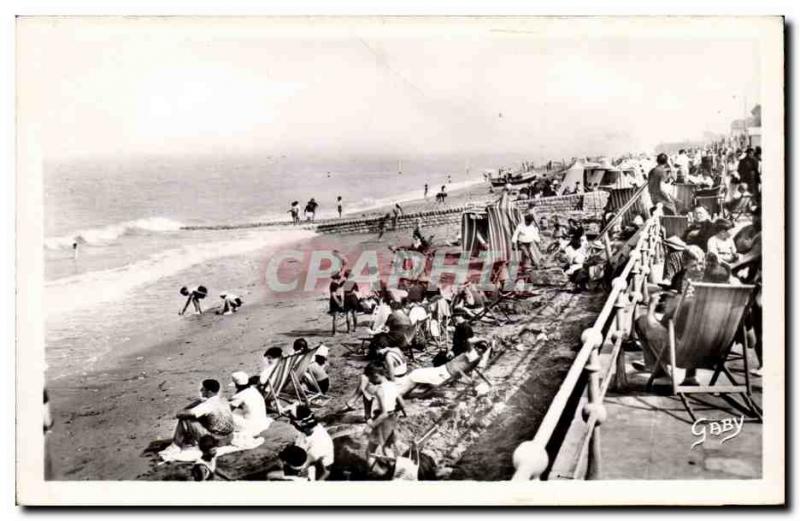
<point x="128" y="217"/>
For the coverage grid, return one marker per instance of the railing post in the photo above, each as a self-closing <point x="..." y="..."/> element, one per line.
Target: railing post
<point x="607" y="244"/>
<point x="623" y="332"/>
<point x="594" y="407"/>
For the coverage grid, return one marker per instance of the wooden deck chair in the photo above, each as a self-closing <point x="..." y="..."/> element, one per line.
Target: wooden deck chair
<point x="738" y="208"/>
<point x="674" y="225"/>
<point x="297" y="373"/>
<point x="277" y="380"/>
<point x="701" y="337"/>
<point x="480" y="363"/>
<point x="712" y="203"/>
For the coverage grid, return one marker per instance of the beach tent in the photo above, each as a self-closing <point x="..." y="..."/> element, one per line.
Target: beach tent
<point x="473" y="224"/>
<point x="574" y="174"/>
<point x="496" y="226"/>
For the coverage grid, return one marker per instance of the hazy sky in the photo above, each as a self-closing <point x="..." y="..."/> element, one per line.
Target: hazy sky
<point x="143" y="86"/>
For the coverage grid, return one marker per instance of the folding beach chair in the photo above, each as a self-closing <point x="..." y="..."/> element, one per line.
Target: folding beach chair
<point x="298" y="374"/>
<point x="277" y="380"/>
<point x="740" y="207"/>
<point x="674" y="225"/>
<point x="701" y="337"/>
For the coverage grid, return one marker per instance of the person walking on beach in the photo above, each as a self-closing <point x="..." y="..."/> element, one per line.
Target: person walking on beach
<point x="425" y="195"/>
<point x="75" y="250"/>
<point x="397" y="212"/>
<point x="194" y="296"/>
<point x="294" y="210"/>
<point x="526" y="238"/>
<point x="339" y="206"/>
<point x="311" y="210"/>
<point x="382" y="226"/>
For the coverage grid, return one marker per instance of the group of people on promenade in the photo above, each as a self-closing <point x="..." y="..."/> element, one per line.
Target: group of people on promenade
<point x="722" y="243"/>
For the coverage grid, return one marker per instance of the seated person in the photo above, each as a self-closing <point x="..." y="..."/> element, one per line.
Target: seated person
<point x="270" y="360"/>
<point x="576" y="253"/>
<point x="749" y="237"/>
<point x="211" y="416"/>
<point x="461" y="334"/>
<point x="379" y="317"/>
<point x="701" y="229"/>
<point x="249" y="410"/>
<point x="673" y="263"/>
<point x="294" y="465"/>
<point x="300" y="345"/>
<point x="318" y="443"/>
<point x="722" y="243"/>
<point x="383" y="417"/>
<point x="317" y="377"/>
<point x="396" y="331"/>
<point x="469" y="300"/>
<point x="435" y="376"/>
<point x="230" y="303"/>
<point x="206" y="465"/>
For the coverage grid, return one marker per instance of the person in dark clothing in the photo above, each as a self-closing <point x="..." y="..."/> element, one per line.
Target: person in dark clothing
<point x="382" y="226"/>
<point x="748" y="171"/>
<point x="656" y="185"/>
<point x="463" y="332"/>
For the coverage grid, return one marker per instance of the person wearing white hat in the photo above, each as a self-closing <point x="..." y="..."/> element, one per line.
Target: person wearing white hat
<point x="249" y="409"/>
<point x="316" y="376"/>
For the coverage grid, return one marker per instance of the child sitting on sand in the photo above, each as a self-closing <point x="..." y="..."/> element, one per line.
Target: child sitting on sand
<point x="230" y="303"/>
<point x="206" y="465"/>
<point x="318" y="443"/>
<point x="293" y="465"/>
<point x="194" y="296"/>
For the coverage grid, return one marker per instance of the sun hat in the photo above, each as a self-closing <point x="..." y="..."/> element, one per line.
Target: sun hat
<point x="240" y="378"/>
<point x="322" y="351"/>
<point x="675" y="243"/>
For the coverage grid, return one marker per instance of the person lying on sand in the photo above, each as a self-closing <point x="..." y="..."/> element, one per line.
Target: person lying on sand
<point x="230" y="303"/>
<point x="293" y="465"/>
<point x="194" y="296"/>
<point x="435" y="376"/>
<point x="210" y="417"/>
<point x="317" y="442"/>
<point x="248" y="406"/>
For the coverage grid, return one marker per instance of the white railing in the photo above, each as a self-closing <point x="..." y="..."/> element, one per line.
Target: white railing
<point x="613" y="325"/>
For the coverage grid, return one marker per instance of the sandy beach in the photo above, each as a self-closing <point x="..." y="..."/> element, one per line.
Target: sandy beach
<point x="101" y="430"/>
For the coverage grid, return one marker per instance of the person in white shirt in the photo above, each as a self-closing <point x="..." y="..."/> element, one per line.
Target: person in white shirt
<point x="249" y="410"/>
<point x="318" y="443"/>
<point x="526" y="238"/>
<point x="682" y="162"/>
<point x="722" y="244"/>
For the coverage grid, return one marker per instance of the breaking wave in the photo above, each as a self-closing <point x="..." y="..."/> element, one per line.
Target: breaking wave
<point x="112" y="232"/>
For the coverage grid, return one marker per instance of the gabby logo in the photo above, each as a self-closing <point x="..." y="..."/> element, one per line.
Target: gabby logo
<point x="703" y="427"/>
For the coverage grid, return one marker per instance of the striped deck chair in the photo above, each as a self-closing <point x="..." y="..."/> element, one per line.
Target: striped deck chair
<point x="619" y="197"/>
<point x="300" y="374"/>
<point x="277" y="380"/>
<point x="701" y="337"/>
<point x="674" y="225"/>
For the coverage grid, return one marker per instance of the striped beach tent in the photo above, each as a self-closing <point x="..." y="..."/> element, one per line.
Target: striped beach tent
<point x="473" y="223"/>
<point x="503" y="219"/>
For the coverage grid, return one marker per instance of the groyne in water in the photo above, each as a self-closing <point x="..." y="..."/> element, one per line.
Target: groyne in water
<point x="581" y="206"/>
